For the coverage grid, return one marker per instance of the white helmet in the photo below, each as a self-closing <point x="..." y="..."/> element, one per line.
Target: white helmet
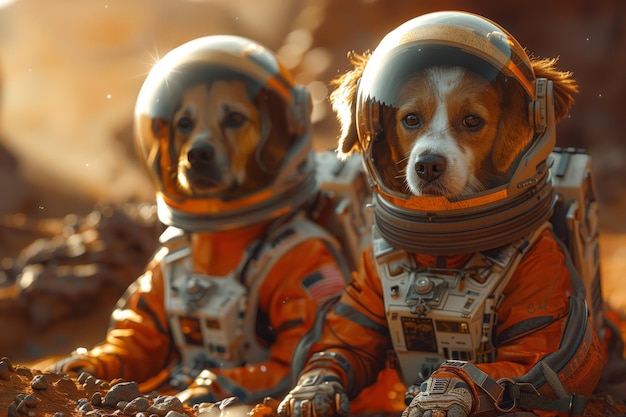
<point x="195" y="93"/>
<point x="488" y="219"/>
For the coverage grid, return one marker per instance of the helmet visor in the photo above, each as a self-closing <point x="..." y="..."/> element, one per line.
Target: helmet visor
<point x="396" y="95"/>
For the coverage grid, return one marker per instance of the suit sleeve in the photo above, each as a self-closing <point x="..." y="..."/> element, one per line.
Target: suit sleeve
<point x="138" y="330"/>
<point x="356" y="329"/>
<point x="532" y="320"/>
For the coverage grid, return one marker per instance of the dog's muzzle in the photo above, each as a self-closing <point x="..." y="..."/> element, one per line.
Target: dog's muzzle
<point x="429" y="167"/>
<point x="203" y="171"/>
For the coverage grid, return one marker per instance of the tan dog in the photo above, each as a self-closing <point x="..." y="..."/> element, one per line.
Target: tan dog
<point x="228" y="138"/>
<point x="456" y="133"/>
<point x="216" y="132"/>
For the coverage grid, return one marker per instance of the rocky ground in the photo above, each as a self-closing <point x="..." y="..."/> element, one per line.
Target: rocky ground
<point x="30" y="392"/>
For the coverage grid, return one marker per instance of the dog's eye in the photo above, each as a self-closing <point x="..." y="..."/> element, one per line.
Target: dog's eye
<point x="234" y="120"/>
<point x="411" y="120"/>
<point x="472" y="121"/>
<point x="184" y="124"/>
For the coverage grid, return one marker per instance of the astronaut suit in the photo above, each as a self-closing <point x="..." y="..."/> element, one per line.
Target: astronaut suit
<point x="242" y="274"/>
<point x="479" y="308"/>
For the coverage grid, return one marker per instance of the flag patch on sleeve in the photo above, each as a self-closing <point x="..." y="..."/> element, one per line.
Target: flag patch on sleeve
<point x="324" y="283"/>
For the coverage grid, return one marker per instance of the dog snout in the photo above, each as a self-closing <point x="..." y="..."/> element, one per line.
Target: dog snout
<point x="201" y="154"/>
<point x="429" y="167"/>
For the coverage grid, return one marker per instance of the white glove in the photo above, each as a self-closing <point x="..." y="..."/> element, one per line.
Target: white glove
<point x="317" y="394"/>
<point x="201" y="390"/>
<point x="77" y="362"/>
<point x="443" y="395"/>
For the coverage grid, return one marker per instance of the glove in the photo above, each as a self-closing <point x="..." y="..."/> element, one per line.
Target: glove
<point x="317" y="394"/>
<point x="201" y="390"/>
<point x="77" y="362"/>
<point x="443" y="394"/>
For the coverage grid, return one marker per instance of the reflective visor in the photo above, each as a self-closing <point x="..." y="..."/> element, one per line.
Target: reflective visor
<point x="221" y="127"/>
<point x="233" y="97"/>
<point x="451" y="39"/>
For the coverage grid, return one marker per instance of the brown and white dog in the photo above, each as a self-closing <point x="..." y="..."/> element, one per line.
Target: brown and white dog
<point x="455" y="133"/>
<point x="223" y="138"/>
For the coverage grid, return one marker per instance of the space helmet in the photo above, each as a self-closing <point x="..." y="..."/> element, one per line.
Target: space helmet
<point x="483" y="220"/>
<point x="224" y="133"/>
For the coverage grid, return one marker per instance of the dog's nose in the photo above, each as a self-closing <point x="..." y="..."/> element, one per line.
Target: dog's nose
<point x="201" y="154"/>
<point x="430" y="167"/>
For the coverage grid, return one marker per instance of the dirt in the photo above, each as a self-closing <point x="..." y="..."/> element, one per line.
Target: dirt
<point x="30" y="392"/>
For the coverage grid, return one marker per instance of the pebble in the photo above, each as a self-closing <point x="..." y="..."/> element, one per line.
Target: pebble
<point x="65" y="384"/>
<point x="121" y="400"/>
<point x="85" y="407"/>
<point x="24" y="372"/>
<point x="164" y="404"/>
<point x="11" y="410"/>
<point x="39" y="383"/>
<point x="83" y="377"/>
<point x="137" y="405"/>
<point x="28" y="401"/>
<point x="90" y="381"/>
<point x="5" y="373"/>
<point x="96" y="399"/>
<point x="123" y="391"/>
<point x="8" y="363"/>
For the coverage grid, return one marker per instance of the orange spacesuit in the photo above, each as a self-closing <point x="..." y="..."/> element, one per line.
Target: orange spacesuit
<point x="356" y="340"/>
<point x="288" y="306"/>
<point x="471" y="294"/>
<point x="243" y="273"/>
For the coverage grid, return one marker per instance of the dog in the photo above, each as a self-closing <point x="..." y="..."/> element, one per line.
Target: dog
<point x="225" y="139"/>
<point x="456" y="133"/>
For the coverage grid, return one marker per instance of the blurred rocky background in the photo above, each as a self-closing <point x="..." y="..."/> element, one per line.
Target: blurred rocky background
<point x="77" y="224"/>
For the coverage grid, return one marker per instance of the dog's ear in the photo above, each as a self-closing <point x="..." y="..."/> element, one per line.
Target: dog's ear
<point x="514" y="130"/>
<point x="343" y="101"/>
<point x="564" y="86"/>
<point x="273" y="132"/>
<point x="162" y="156"/>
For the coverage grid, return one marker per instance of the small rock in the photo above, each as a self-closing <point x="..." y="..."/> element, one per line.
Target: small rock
<point x="24" y="372"/>
<point x="102" y="383"/>
<point x="151" y="395"/>
<point x="11" y="410"/>
<point x="136" y="405"/>
<point x="5" y="374"/>
<point x="85" y="407"/>
<point x="65" y="384"/>
<point x="29" y="401"/>
<point x="8" y="363"/>
<point x="96" y="399"/>
<point x="18" y="398"/>
<point x="58" y="414"/>
<point x="83" y="377"/>
<point x="90" y="381"/>
<point x="39" y="383"/>
<point x="164" y="404"/>
<point x="21" y="407"/>
<point x="124" y="391"/>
